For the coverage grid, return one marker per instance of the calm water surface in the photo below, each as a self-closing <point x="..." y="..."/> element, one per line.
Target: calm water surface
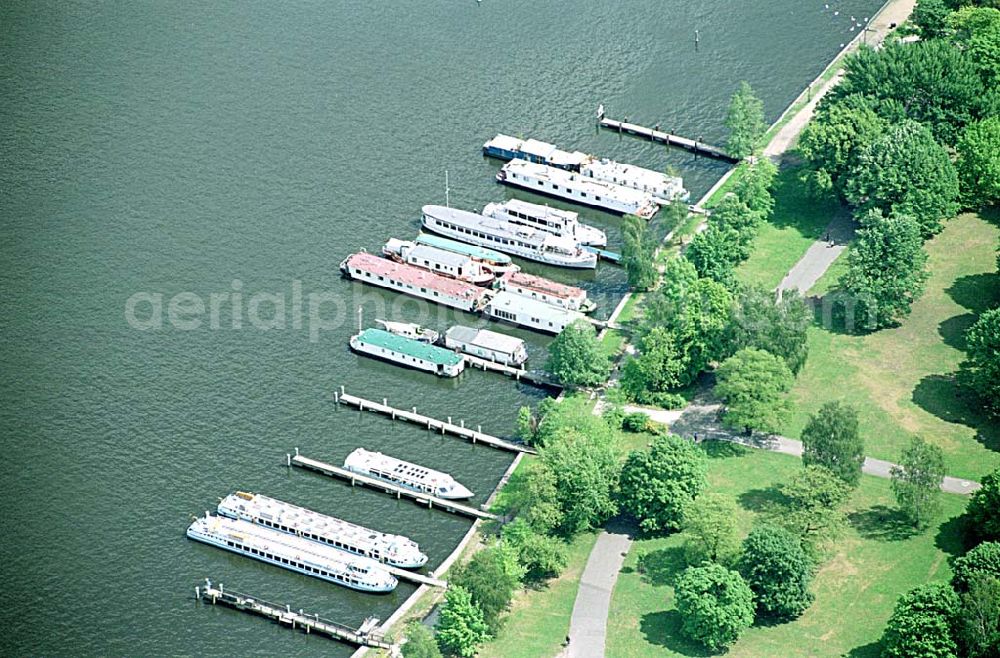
<point x="171" y="147"/>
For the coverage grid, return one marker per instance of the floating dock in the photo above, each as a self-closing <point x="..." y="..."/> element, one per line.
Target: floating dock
<point x="520" y="374"/>
<point x="445" y="427"/>
<point x="285" y="615"/>
<point x="652" y="134"/>
<point x="604" y="254"/>
<point x="388" y="487"/>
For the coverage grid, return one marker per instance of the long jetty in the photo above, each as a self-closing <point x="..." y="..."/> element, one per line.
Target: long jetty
<point x="445" y="427"/>
<point x="653" y="134"/>
<point x="283" y="614"/>
<point x="519" y="374"/>
<point x="388" y="487"/>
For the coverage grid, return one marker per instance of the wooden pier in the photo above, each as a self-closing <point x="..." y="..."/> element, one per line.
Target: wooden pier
<point x="520" y="374"/>
<point x="445" y="427"/>
<point x="695" y="146"/>
<point x="363" y="636"/>
<point x="387" y="487"/>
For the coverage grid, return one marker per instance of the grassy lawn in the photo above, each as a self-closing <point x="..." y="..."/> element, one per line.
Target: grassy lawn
<point x="867" y="567"/>
<point x="831" y="278"/>
<point x="901" y="379"/>
<point x="798" y="221"/>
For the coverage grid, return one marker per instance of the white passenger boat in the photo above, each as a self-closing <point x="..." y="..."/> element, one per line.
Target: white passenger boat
<point x="530" y="313"/>
<point x="394" y="550"/>
<point x="408" y="352"/>
<point x="439" y="261"/>
<point x="506" y="147"/>
<point x="564" y="223"/>
<point x="546" y="290"/>
<point x="494" y="260"/>
<point x="486" y="344"/>
<point x="405" y="474"/>
<point x="522" y="241"/>
<point x="578" y="188"/>
<point x="663" y="188"/>
<point x="410" y="330"/>
<point x="413" y="281"/>
<point x="291" y="552"/>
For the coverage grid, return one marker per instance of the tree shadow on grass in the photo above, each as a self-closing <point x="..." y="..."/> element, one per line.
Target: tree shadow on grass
<point x="951" y="537"/>
<point x="952" y="330"/>
<point x="942" y="396"/>
<point x="660" y="567"/>
<point x="723" y="449"/>
<point x="870" y="650"/>
<point x="976" y="292"/>
<point x="664" y="629"/>
<point x="762" y="500"/>
<point x="882" y="523"/>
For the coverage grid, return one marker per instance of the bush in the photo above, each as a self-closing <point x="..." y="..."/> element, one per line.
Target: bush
<point x="420" y="642"/>
<point x="636" y="422"/>
<point x="491" y="577"/>
<point x="715" y="604"/>
<point x="541" y="556"/>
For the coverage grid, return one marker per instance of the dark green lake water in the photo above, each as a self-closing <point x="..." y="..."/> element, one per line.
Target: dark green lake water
<point x="155" y="147"/>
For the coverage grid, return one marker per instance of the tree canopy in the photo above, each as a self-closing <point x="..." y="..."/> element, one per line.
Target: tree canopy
<point x="885" y="270"/>
<point x="491" y="577"/>
<point x="638" y="250"/>
<point x="586" y="468"/>
<point x="710" y="524"/>
<point x="778" y="572"/>
<point x="905" y="171"/>
<point x="715" y="605"/>
<point x="774" y="325"/>
<point x="658" y="485"/>
<point x="745" y="121"/>
<point x="753" y="384"/>
<point x="916" y="481"/>
<point x="541" y="556"/>
<point x="460" y="627"/>
<point x="576" y="358"/>
<point x="983" y="560"/>
<point x="922" y="624"/>
<point x="830" y="439"/>
<point x="979" y="621"/>
<point x="420" y="642"/>
<point x="978" y="162"/>
<point x="983" y="510"/>
<point x="811" y="505"/>
<point x="981" y="369"/>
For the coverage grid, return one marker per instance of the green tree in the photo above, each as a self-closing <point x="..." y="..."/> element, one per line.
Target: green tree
<point x="977" y="32"/>
<point x="586" y="469"/>
<point x="830" y="439"/>
<point x="929" y="16"/>
<point x="778" y="572"/>
<point x="533" y="493"/>
<point x="710" y="524"/>
<point x="922" y="623"/>
<point x="978" y="162"/>
<point x="916" y="482"/>
<point x="905" y="171"/>
<point x="981" y="561"/>
<point x="715" y="253"/>
<point x="981" y="369"/>
<point x="460" y="627"/>
<point x="527" y="424"/>
<point x="979" y="620"/>
<point x="753" y="186"/>
<point x="658" y="367"/>
<point x="491" y="577"/>
<point x="571" y="413"/>
<point x="420" y="642"/>
<point x="885" y="270"/>
<point x="832" y="141"/>
<point x="658" y="485"/>
<point x="774" y="325"/>
<point x="812" y="504"/>
<point x="745" y="121"/>
<point x="715" y="605"/>
<point x="576" y="358"/>
<point x="983" y="511"/>
<point x="734" y="213"/>
<point x="753" y="384"/>
<point x="932" y="81"/>
<point x="638" y="251"/>
<point x="542" y="557"/>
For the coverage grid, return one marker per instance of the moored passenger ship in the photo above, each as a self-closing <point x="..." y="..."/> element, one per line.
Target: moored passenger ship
<point x="578" y="188"/>
<point x="547" y="291"/>
<point x="395" y="550"/>
<point x="413" y="281"/>
<point x="405" y="474"/>
<point x="522" y="241"/>
<point x="564" y="223"/>
<point x="293" y="553"/>
<point x="439" y="261"/>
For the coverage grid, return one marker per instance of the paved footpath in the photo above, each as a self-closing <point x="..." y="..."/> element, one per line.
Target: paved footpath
<point x="820" y="255"/>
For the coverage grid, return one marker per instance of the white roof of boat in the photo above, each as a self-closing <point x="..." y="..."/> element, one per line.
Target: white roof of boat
<point x="521" y="304"/>
<point x="637" y="174"/>
<point x="497" y="227"/>
<point x="578" y="182"/>
<point x="538" y="210"/>
<point x="362" y="458"/>
<point x="435" y="255"/>
<point x="490" y="340"/>
<point x="504" y="142"/>
<point x="540" y="149"/>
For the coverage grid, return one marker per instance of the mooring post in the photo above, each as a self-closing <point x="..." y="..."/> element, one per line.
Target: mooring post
<point x="288" y="459"/>
<point x="336" y="397"/>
